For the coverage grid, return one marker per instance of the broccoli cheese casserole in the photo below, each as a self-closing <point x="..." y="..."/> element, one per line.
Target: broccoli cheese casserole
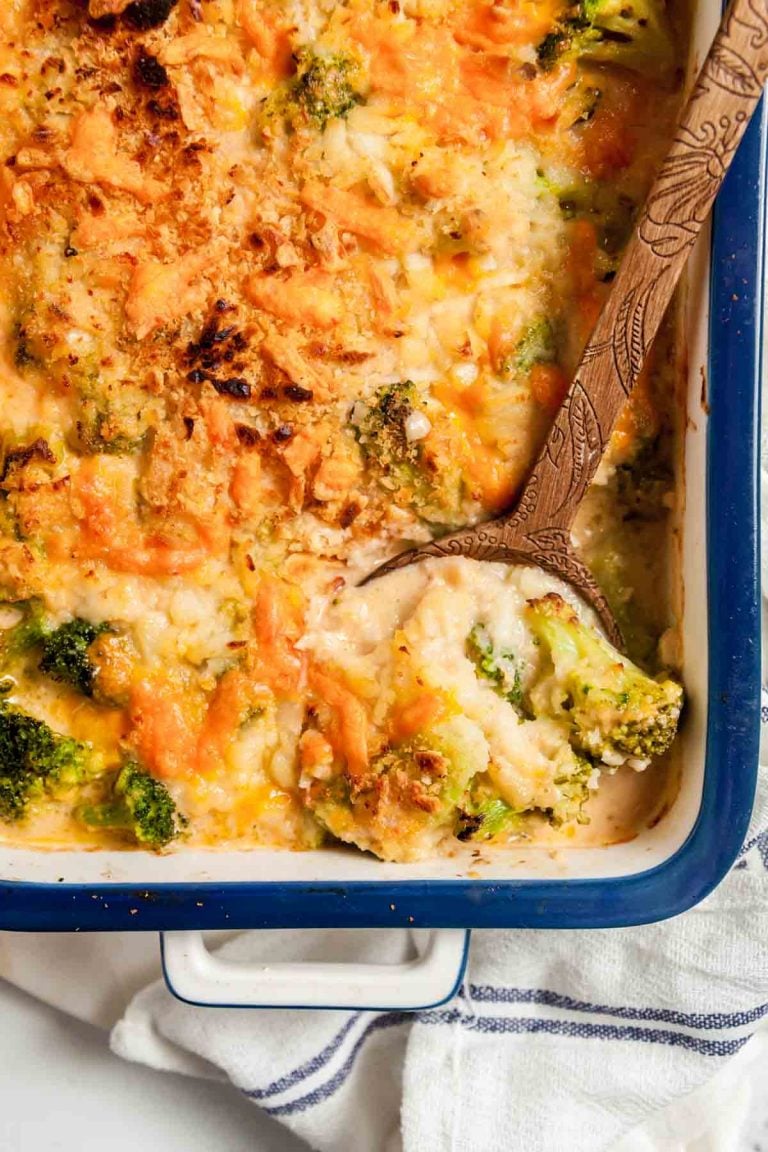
<point x="286" y="286"/>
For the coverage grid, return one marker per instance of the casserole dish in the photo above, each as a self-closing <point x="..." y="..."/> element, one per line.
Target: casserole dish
<point x="669" y="866"/>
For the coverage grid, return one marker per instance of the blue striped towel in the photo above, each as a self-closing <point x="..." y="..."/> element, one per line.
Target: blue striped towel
<point x="558" y="1040"/>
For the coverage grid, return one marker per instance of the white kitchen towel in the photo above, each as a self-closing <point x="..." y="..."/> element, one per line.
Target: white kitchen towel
<point x="558" y="1040"/>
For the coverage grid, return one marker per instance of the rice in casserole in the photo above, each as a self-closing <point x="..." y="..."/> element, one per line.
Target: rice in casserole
<point x="285" y="287"/>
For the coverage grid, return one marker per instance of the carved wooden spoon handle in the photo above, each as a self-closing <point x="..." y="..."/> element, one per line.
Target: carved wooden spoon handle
<point x="716" y="116"/>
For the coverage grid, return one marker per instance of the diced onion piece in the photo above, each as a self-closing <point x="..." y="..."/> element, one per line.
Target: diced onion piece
<point x="466" y="373"/>
<point x="417" y="426"/>
<point x="487" y="262"/>
<point x="358" y="413"/>
<point x="417" y="262"/>
<point x="613" y="759"/>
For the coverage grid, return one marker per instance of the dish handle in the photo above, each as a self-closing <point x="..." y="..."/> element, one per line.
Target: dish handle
<point x="197" y="976"/>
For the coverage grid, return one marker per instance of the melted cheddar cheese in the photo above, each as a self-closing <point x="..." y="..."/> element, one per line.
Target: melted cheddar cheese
<point x="286" y="285"/>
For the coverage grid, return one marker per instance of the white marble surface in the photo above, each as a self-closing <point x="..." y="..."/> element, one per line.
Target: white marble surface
<point x="755" y="1136"/>
<point x="62" y="1090"/>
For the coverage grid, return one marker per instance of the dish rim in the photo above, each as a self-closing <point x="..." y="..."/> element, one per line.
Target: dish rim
<point x="733" y="695"/>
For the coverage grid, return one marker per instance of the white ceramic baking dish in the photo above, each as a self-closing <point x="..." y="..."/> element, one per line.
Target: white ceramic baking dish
<point x="666" y="869"/>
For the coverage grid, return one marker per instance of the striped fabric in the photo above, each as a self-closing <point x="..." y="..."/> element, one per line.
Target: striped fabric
<point x="558" y="1040"/>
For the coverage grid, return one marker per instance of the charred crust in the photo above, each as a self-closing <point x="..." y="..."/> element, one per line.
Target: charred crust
<point x="349" y="514"/>
<point x="19" y="457"/>
<point x="219" y="347"/>
<point x="249" y="437"/>
<point x="142" y="15"/>
<point x="468" y="825"/>
<point x="235" y="387"/>
<point x="298" y="394"/>
<point x="148" y="72"/>
<point x="103" y="23"/>
<point x="162" y="111"/>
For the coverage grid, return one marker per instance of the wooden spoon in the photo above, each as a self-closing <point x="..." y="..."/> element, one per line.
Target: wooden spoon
<point x="537" y="529"/>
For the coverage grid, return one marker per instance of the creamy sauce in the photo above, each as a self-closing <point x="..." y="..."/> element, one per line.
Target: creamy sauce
<point x="431" y="609"/>
<point x="288" y="285"/>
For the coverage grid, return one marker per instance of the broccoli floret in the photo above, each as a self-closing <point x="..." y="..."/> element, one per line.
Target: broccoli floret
<point x="36" y="761"/>
<point x="321" y="90"/>
<point x="419" y="470"/>
<point x="635" y="34"/>
<point x="27" y="634"/>
<point x="106" y="429"/>
<point x="611" y="212"/>
<point x="384" y="437"/>
<point x="483" y="815"/>
<point x="138" y="805"/>
<point x="500" y="667"/>
<point x="24" y="355"/>
<point x="27" y="347"/>
<point x="322" y="86"/>
<point x="94" y="440"/>
<point x="537" y="346"/>
<point x="615" y="711"/>
<point x="65" y="654"/>
<point x="575" y="790"/>
<point x="559" y="42"/>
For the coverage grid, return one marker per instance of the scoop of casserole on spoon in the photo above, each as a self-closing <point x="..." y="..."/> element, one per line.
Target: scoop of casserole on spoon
<point x="537" y="530"/>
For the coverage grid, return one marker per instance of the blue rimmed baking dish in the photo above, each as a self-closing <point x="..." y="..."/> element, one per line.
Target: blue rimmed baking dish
<point x="665" y="870"/>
